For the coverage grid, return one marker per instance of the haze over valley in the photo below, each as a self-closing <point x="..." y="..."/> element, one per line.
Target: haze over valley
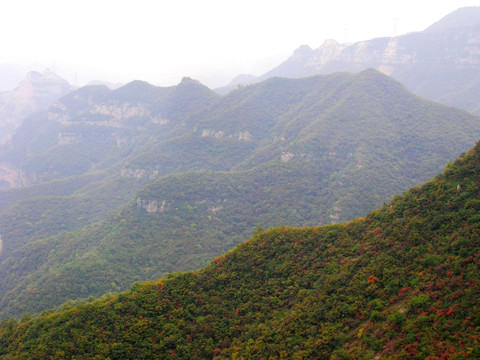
<point x="327" y="207"/>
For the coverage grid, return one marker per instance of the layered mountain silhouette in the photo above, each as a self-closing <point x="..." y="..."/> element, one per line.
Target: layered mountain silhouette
<point x="440" y="63"/>
<point x="297" y="152"/>
<point x="109" y="187"/>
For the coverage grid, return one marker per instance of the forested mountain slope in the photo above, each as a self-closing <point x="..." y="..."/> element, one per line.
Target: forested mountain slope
<point x="296" y="152"/>
<point x="73" y="155"/>
<point x="402" y="282"/>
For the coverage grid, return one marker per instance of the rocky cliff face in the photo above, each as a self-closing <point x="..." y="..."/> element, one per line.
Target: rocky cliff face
<point x="106" y="115"/>
<point x="36" y="92"/>
<point x="11" y="176"/>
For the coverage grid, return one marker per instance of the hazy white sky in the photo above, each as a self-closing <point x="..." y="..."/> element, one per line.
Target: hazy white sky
<point x="210" y="40"/>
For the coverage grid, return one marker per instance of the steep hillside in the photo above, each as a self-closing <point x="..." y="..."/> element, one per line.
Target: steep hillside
<point x="74" y="155"/>
<point x="403" y="282"/>
<point x="440" y="63"/>
<point x="296" y="152"/>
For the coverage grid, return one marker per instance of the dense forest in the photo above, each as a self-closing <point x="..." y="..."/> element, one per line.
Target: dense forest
<point x="182" y="175"/>
<point x="401" y="282"/>
<point x="313" y="212"/>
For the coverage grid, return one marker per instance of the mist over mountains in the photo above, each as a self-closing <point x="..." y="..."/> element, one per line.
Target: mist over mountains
<point x="36" y="92"/>
<point x="189" y="174"/>
<point x="104" y="187"/>
<point x="440" y="63"/>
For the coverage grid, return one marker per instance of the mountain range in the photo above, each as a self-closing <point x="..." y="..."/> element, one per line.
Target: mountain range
<point x="401" y="282"/>
<point x="102" y="188"/>
<point x="182" y="175"/>
<point x="440" y="63"/>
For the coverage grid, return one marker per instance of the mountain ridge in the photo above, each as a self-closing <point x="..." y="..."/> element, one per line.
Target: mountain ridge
<point x="402" y="282"/>
<point x="440" y="63"/>
<point x="347" y="141"/>
<point x="463" y="17"/>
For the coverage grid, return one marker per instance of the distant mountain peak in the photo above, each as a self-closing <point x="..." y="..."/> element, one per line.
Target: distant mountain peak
<point x="189" y="80"/>
<point x="31" y="77"/>
<point x="243" y="79"/>
<point x="50" y="74"/>
<point x="330" y="43"/>
<point x="35" y="92"/>
<point x="47" y="77"/>
<point x="329" y="50"/>
<point x="135" y="86"/>
<point x="460" y="18"/>
<point x="111" y="86"/>
<point x="440" y="63"/>
<point x="304" y="51"/>
<point x="138" y="83"/>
